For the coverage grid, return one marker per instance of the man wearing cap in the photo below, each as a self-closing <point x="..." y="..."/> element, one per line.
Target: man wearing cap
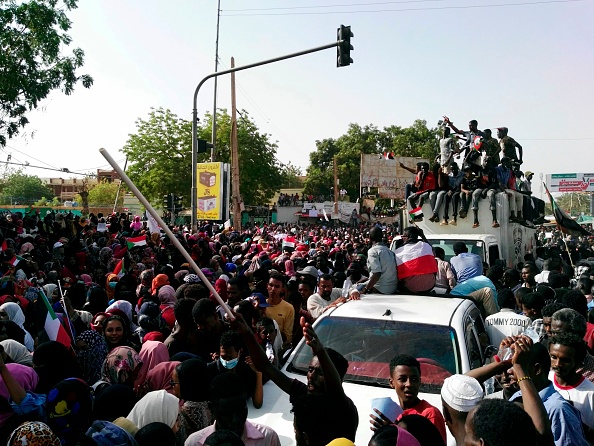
<point x="465" y="265"/>
<point x="459" y="395"/>
<point x="308" y="274"/>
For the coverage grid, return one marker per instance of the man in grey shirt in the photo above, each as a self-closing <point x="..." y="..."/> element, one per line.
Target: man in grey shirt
<point x="381" y="264"/>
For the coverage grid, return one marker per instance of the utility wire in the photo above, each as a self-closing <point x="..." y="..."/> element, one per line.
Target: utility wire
<point x="347" y="5"/>
<point x="431" y="8"/>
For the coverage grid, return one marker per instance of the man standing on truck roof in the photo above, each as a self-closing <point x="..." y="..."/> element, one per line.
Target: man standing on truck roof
<point x="465" y="265"/>
<point x="508" y="146"/>
<point x="470" y="136"/>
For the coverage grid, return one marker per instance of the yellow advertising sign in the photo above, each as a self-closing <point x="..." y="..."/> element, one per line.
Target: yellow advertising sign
<point x="209" y="191"/>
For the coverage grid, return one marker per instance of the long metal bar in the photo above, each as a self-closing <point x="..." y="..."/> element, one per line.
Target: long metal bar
<point x="195" y="109"/>
<point x="214" y="106"/>
<point x="164" y="226"/>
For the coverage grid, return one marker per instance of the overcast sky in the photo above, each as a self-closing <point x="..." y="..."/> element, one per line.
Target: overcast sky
<point x="526" y="65"/>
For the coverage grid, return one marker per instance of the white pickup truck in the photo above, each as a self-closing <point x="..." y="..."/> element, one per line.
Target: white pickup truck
<point x="446" y="334"/>
<point x="509" y="242"/>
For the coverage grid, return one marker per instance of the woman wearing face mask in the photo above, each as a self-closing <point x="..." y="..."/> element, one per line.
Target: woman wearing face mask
<point x="231" y="359"/>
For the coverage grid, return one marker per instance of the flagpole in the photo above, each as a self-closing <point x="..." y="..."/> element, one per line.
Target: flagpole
<point x="165" y="228"/>
<point x="64" y="306"/>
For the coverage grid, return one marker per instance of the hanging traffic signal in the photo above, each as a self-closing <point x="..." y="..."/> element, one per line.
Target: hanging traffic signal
<point x="203" y="146"/>
<point x="344" y="47"/>
<point x="177" y="203"/>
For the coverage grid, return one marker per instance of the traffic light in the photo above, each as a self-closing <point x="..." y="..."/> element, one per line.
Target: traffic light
<point x="344" y="47"/>
<point x="203" y="146"/>
<point x="177" y="203"/>
<point x="168" y="202"/>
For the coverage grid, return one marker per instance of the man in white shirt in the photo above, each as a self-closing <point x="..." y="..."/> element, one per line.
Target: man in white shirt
<point x="506" y="322"/>
<point x="326" y="297"/>
<point x="567" y="351"/>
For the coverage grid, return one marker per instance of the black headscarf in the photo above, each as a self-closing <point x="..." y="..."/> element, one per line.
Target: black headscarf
<point x="53" y="362"/>
<point x="194" y="380"/>
<point x="113" y="402"/>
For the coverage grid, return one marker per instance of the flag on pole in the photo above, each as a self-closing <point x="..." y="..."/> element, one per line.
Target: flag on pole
<point x="565" y="223"/>
<point x="136" y="241"/>
<point x="4" y="246"/>
<point x="51" y="323"/>
<point x="120" y="269"/>
<point x="416" y="212"/>
<point x="289" y="242"/>
<point x="152" y="224"/>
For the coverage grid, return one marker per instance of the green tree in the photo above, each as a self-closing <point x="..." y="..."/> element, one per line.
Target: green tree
<point x="291" y="176"/>
<point x="19" y="188"/>
<point x="32" y="41"/>
<point x="103" y="194"/>
<point x="160" y="155"/>
<point x="573" y="203"/>
<point x="417" y="141"/>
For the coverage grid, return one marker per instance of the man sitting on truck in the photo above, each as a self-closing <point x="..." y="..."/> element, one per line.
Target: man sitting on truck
<point x="506" y="183"/>
<point x="465" y="265"/>
<point x="424" y="183"/>
<point x="416" y="265"/>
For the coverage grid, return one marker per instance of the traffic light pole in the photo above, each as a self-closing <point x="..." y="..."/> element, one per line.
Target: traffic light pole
<point x="195" y="110"/>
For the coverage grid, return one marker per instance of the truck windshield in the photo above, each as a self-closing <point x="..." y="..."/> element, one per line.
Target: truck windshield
<point x="369" y="345"/>
<point x="474" y="246"/>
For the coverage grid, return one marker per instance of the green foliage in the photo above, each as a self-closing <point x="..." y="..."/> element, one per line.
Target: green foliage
<point x="19" y="188"/>
<point x="32" y="64"/>
<point x="572" y="203"/>
<point x="160" y="155"/>
<point x="417" y="140"/>
<point x="290" y="176"/>
<point x="104" y="194"/>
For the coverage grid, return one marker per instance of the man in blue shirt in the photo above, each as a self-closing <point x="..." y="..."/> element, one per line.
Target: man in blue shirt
<point x="565" y="419"/>
<point x="464" y="264"/>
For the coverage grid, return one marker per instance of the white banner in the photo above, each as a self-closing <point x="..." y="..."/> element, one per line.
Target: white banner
<point x="387" y="175"/>
<point x="570" y="182"/>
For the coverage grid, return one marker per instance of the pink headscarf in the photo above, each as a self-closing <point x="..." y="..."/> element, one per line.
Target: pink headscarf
<point x="167" y="296"/>
<point x="290" y="268"/>
<point x="158" y="378"/>
<point x="26" y="247"/>
<point x="151" y="354"/>
<point x="24" y="375"/>
<point x="136" y="224"/>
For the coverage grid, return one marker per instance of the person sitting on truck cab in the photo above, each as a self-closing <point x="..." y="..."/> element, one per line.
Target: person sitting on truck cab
<point x="416" y="265"/>
<point x="470" y="192"/>
<point x="465" y="265"/>
<point x="411" y="187"/>
<point x="437" y="195"/>
<point x="424" y="183"/>
<point x="452" y="196"/>
<point x="506" y="183"/>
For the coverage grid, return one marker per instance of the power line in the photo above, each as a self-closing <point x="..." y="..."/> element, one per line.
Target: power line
<point x="431" y="8"/>
<point x="64" y="169"/>
<point x="348" y="5"/>
<point x="30" y="156"/>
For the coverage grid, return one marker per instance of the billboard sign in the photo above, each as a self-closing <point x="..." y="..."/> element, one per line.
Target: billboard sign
<point x="386" y="174"/>
<point x="209" y="191"/>
<point x="570" y="182"/>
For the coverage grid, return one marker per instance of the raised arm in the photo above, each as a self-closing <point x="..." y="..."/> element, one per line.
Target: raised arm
<point x="258" y="356"/>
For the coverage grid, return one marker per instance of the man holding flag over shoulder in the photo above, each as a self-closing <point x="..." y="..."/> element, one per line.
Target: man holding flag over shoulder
<point x="565" y="223"/>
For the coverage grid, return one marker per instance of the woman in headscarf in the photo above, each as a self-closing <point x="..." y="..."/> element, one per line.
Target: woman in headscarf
<point x="143" y="290"/>
<point x="116" y="332"/>
<point x="96" y="300"/>
<point x="98" y="321"/>
<point x="33" y="433"/>
<point x="192" y="384"/>
<point x="121" y="366"/>
<point x="151" y="354"/>
<point x="53" y="363"/>
<point x="159" y="281"/>
<point x="156" y="407"/>
<point x="103" y="404"/>
<point x="290" y="268"/>
<point x="91" y="352"/>
<point x="49" y="290"/>
<point x="150" y="320"/>
<point x="17" y="352"/>
<point x="10" y="330"/>
<point x="104" y="433"/>
<point x="69" y="408"/>
<point x="110" y="284"/>
<point x="167" y="300"/>
<point x="160" y="378"/>
<point x="25" y="376"/>
<point x="125" y="307"/>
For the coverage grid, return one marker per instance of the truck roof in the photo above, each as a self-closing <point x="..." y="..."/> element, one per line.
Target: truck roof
<point x="460" y="236"/>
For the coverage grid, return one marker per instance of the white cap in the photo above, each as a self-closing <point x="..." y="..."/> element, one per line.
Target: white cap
<point x="461" y="392"/>
<point x="58" y="244"/>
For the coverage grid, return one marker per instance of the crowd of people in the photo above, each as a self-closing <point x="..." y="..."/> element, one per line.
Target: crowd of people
<point x="487" y="167"/>
<point x="147" y="355"/>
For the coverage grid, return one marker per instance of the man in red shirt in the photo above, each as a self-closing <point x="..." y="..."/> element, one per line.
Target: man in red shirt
<point x="425" y="182"/>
